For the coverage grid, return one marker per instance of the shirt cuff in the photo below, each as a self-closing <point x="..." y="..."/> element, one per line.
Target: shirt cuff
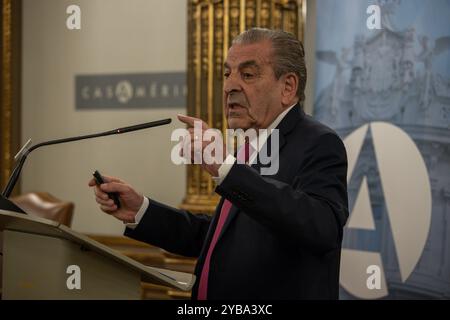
<point x="224" y="169"/>
<point x="139" y="214"/>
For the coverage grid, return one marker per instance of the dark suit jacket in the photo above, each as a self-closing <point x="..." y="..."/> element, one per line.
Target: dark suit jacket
<point x="282" y="239"/>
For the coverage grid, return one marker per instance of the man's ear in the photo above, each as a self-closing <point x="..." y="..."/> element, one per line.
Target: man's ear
<point x="289" y="88"/>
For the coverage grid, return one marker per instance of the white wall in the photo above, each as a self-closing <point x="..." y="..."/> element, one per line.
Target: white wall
<point x="116" y="37"/>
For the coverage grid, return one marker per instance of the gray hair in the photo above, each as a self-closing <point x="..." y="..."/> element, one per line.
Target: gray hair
<point x="288" y="53"/>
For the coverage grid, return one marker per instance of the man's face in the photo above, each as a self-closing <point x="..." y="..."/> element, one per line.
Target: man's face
<point x="252" y="94"/>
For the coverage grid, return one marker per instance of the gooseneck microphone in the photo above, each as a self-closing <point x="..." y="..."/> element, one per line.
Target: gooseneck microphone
<point x="26" y="151"/>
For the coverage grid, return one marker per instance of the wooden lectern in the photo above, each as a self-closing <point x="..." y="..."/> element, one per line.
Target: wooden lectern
<point x="41" y="259"/>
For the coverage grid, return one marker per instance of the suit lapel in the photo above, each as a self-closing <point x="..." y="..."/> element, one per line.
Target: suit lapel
<point x="286" y="125"/>
<point x="210" y="232"/>
<point x="233" y="212"/>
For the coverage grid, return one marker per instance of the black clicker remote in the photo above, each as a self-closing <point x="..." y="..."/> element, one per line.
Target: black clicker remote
<point x="112" y="195"/>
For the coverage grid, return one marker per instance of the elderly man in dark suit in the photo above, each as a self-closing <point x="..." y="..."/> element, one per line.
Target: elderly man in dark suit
<point x="272" y="237"/>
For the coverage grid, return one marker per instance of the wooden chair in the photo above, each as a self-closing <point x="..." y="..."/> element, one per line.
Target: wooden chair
<point x="44" y="205"/>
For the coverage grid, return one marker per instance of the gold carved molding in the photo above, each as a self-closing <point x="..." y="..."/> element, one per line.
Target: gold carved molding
<point x="212" y="25"/>
<point x="9" y="95"/>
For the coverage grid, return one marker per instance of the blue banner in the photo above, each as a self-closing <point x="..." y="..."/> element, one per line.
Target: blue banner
<point x="383" y="83"/>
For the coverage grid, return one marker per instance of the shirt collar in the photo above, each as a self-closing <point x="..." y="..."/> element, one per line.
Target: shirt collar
<point x="262" y="138"/>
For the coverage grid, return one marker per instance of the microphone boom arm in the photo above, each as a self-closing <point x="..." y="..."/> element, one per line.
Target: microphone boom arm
<point x="18" y="168"/>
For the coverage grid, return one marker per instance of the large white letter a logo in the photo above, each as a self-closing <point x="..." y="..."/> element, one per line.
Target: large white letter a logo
<point x="407" y="194"/>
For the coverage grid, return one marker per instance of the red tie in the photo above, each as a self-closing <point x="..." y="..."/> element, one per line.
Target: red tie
<point x="244" y="153"/>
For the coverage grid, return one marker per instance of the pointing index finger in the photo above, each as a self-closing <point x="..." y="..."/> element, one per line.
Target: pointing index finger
<point x="191" y="120"/>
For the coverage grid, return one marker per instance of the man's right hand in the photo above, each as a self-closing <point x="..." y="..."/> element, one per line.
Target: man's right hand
<point x="130" y="200"/>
